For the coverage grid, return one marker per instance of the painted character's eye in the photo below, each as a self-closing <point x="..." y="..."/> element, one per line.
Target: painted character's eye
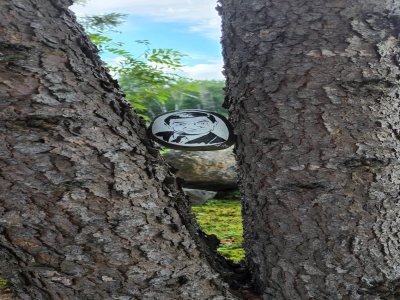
<point x="179" y="124"/>
<point x="202" y="123"/>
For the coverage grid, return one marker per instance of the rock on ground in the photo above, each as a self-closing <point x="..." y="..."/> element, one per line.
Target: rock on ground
<point x="198" y="197"/>
<point x="206" y="170"/>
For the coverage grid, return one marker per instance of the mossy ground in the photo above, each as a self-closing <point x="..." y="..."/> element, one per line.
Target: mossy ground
<point x="224" y="219"/>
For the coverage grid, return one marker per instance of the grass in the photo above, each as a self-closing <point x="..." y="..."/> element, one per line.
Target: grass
<point x="224" y="219"/>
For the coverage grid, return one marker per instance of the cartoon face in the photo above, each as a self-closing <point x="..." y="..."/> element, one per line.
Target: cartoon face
<point x="192" y="130"/>
<point x="192" y="126"/>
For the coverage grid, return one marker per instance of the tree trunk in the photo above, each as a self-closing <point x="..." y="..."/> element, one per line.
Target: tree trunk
<point x="87" y="210"/>
<point x="313" y="91"/>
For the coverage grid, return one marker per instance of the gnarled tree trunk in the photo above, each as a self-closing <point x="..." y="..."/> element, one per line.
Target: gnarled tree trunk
<point x="313" y="90"/>
<point x="87" y="210"/>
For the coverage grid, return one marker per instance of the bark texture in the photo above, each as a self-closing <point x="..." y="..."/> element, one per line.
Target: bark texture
<point x="313" y="91"/>
<point x="87" y="210"/>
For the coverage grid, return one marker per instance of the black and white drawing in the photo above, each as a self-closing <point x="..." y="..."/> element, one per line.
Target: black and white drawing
<point x="192" y="129"/>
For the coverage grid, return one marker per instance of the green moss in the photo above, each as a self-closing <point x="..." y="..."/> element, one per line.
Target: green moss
<point x="3" y="283"/>
<point x="165" y="151"/>
<point x="224" y="219"/>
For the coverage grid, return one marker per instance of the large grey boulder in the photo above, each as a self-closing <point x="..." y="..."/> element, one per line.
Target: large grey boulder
<point x="205" y="170"/>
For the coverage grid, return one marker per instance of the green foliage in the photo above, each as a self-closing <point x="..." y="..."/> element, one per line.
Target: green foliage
<point x="3" y="284"/>
<point x="101" y="23"/>
<point x="148" y="76"/>
<point x="204" y="94"/>
<point x="224" y="219"/>
<point x="149" y="79"/>
<point x="164" y="151"/>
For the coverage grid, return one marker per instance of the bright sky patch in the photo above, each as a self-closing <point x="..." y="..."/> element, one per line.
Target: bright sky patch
<point x="189" y="26"/>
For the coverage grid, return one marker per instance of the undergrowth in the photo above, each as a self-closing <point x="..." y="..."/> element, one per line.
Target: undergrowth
<point x="224" y="219"/>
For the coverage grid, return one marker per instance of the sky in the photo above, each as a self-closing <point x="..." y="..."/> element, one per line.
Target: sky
<point x="190" y="26"/>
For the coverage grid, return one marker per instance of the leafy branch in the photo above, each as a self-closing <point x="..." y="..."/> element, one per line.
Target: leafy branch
<point x="150" y="78"/>
<point x="145" y="78"/>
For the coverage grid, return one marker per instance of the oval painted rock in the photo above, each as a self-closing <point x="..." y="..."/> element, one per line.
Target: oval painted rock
<point x="192" y="130"/>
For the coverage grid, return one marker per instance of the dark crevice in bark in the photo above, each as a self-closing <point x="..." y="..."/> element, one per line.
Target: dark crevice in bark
<point x="10" y="52"/>
<point x="365" y="162"/>
<point x="307" y="186"/>
<point x="385" y="289"/>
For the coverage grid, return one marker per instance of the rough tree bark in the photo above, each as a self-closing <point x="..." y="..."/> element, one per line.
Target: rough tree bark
<point x="87" y="210"/>
<point x="313" y="90"/>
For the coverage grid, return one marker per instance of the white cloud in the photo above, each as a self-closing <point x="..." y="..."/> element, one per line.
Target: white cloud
<point x="200" y="15"/>
<point x="204" y="71"/>
<point x="210" y="28"/>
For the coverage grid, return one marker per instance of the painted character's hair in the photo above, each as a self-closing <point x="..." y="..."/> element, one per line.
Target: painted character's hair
<point x="190" y="115"/>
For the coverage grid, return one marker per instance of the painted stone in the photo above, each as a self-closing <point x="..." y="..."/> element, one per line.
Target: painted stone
<point x="192" y="130"/>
